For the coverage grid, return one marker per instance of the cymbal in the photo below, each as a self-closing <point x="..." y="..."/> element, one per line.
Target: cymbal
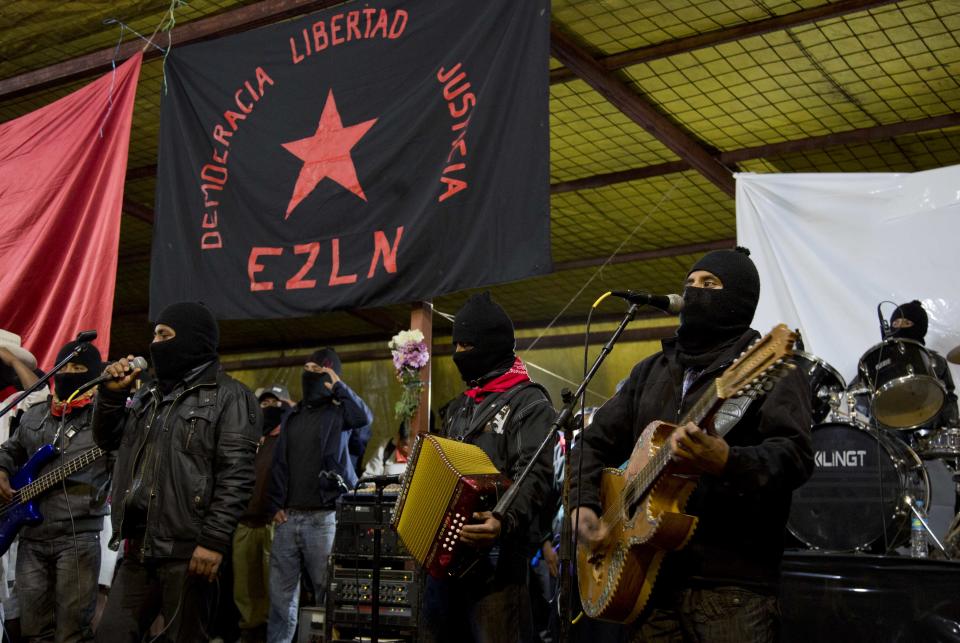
<point x="954" y="355"/>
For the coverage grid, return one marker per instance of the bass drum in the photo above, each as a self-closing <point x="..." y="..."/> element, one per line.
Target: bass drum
<point x="854" y="499"/>
<point x="826" y="384"/>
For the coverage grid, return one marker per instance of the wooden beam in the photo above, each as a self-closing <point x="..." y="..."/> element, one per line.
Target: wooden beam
<point x="421" y="318"/>
<point x="232" y="21"/>
<point x="376" y="317"/>
<point x="728" y="34"/>
<point x="571" y="54"/>
<point x="138" y="211"/>
<point x="444" y="349"/>
<point x="646" y="255"/>
<point x="871" y="134"/>
<point x="850" y="137"/>
<point x="634" y="174"/>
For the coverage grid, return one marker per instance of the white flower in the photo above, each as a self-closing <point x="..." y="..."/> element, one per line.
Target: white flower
<point x="405" y="337"/>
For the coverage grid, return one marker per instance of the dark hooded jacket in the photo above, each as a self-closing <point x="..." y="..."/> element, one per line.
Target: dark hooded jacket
<point x="740" y="535"/>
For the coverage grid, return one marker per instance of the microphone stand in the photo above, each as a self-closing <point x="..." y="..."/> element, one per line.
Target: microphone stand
<point x="83" y="339"/>
<point x="563" y="422"/>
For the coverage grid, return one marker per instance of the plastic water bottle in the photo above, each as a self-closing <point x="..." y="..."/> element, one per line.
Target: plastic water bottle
<point x="918" y="536"/>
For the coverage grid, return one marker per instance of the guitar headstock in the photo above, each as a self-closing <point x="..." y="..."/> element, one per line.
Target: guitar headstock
<point x="758" y="364"/>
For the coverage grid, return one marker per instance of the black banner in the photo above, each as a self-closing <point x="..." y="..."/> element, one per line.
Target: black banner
<point x="374" y="153"/>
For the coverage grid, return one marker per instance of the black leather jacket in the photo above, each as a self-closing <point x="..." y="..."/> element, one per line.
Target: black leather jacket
<point x="208" y="432"/>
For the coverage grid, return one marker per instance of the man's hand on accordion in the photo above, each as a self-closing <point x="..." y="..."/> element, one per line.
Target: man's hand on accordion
<point x="484" y="534"/>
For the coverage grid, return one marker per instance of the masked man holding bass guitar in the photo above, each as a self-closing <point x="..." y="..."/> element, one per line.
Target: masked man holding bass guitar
<point x="723" y="585"/>
<point x="58" y="560"/>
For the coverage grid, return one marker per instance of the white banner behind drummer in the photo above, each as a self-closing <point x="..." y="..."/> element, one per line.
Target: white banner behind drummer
<point x="830" y="247"/>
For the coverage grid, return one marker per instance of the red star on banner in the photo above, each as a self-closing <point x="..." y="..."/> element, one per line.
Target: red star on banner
<point x="326" y="154"/>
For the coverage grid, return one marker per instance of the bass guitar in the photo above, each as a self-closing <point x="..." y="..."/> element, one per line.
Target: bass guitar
<point x="21" y="509"/>
<point x="643" y="507"/>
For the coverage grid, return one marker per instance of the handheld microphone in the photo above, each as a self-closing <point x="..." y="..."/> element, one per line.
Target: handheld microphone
<point x="667" y="303"/>
<point x="135" y="363"/>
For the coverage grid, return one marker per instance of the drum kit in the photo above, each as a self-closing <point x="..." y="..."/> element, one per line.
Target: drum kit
<point x="870" y="440"/>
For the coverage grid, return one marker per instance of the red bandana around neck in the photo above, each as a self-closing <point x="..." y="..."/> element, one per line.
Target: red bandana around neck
<point x="516" y="375"/>
<point x="57" y="408"/>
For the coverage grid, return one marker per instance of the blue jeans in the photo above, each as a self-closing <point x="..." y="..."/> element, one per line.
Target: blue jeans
<point x="304" y="541"/>
<point x="57" y="587"/>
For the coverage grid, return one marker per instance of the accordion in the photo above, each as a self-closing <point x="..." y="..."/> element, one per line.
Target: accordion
<point x="445" y="483"/>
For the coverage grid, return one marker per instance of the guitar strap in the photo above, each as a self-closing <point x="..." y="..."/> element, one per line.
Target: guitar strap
<point x="491" y="406"/>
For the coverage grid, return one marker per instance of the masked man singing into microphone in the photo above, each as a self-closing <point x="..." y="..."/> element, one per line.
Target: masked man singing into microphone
<point x="183" y="477"/>
<point x="723" y="585"/>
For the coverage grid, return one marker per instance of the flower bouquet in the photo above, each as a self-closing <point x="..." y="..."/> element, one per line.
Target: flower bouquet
<point x="410" y="354"/>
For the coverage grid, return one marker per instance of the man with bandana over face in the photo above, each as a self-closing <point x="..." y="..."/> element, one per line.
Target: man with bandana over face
<point x="311" y="469"/>
<point x="723" y="585"/>
<point x="183" y="477"/>
<point x="508" y="416"/>
<point x="56" y="603"/>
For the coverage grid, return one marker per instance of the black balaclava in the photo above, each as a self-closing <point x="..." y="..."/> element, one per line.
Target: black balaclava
<point x="314" y="384"/>
<point x="272" y="414"/>
<point x="195" y="343"/>
<point x="484" y="324"/>
<point x="914" y="312"/>
<point x="64" y="384"/>
<point x="714" y="318"/>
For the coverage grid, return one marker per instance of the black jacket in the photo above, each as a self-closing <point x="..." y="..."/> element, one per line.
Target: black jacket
<point x="320" y="436"/>
<point x="743" y="512"/>
<point x="510" y="438"/>
<point x="209" y="429"/>
<point x="84" y="503"/>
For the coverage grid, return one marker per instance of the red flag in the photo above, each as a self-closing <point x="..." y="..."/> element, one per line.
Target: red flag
<point x="62" y="170"/>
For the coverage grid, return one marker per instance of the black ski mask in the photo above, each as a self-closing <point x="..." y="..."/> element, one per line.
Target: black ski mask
<point x="314" y="386"/>
<point x="64" y="384"/>
<point x="484" y="324"/>
<point x="712" y="318"/>
<point x="195" y="343"/>
<point x="272" y="415"/>
<point x="914" y="312"/>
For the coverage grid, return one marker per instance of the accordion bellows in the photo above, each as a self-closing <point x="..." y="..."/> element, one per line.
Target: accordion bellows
<point x="446" y="482"/>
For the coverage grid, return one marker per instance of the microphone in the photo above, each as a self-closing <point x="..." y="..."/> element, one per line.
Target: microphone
<point x="85" y="336"/>
<point x="135" y="363"/>
<point x="667" y="303"/>
<point x="379" y="480"/>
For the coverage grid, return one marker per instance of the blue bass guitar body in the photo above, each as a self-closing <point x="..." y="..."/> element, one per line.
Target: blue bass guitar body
<point x="16" y="514"/>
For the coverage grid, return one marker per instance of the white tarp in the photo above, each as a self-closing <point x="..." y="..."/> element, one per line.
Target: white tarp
<point x="830" y="247"/>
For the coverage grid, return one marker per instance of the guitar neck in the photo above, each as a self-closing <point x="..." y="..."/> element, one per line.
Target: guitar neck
<point x="58" y="475"/>
<point x="704" y="408"/>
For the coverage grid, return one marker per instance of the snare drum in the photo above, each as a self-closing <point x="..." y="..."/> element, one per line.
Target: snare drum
<point x="826" y="384"/>
<point x="940" y="443"/>
<point x="854" y="500"/>
<point x="906" y="393"/>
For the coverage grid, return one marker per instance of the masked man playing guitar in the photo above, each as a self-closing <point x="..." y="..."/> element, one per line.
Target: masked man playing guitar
<point x="722" y="586"/>
<point x="58" y="560"/>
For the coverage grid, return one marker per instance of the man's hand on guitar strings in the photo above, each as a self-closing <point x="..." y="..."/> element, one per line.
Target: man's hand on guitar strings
<point x="482" y="535"/>
<point x="6" y="491"/>
<point x="591" y="530"/>
<point x="705" y="453"/>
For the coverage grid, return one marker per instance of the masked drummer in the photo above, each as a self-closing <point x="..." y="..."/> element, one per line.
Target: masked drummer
<point x="909" y="321"/>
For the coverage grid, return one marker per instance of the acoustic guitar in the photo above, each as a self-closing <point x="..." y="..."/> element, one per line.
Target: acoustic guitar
<point x="643" y="506"/>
